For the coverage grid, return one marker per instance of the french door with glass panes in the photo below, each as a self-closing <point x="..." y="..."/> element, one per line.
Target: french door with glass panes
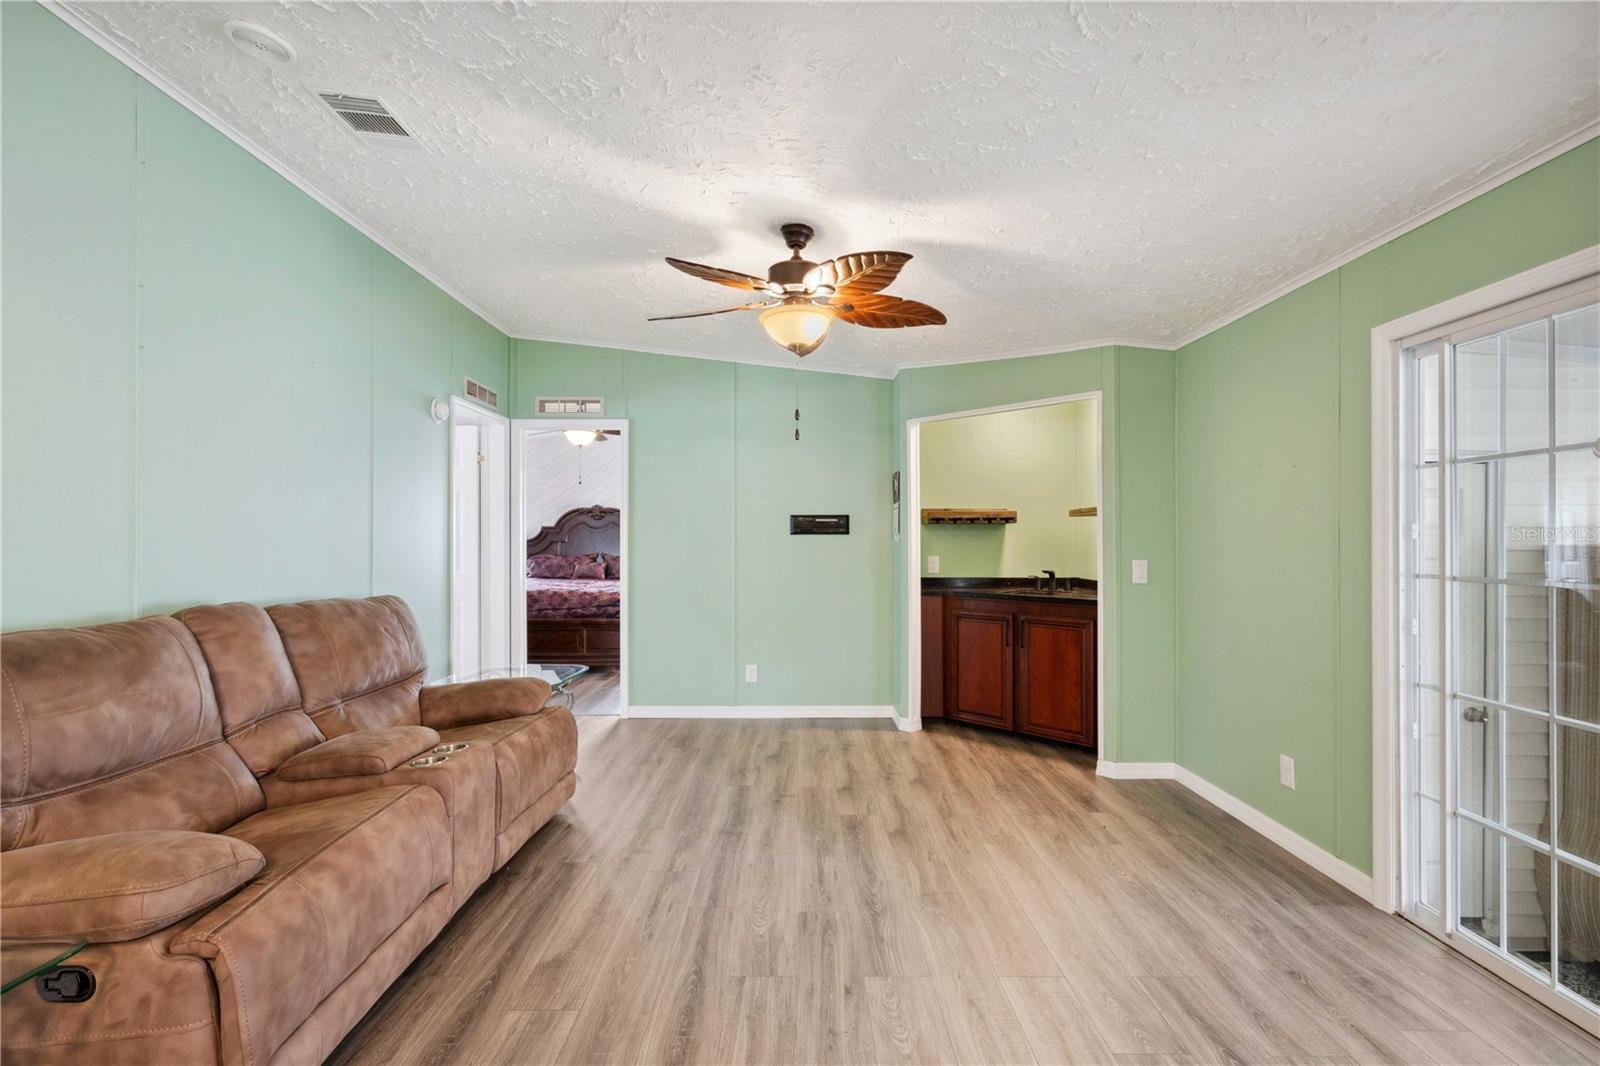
<point x="1500" y="532"/>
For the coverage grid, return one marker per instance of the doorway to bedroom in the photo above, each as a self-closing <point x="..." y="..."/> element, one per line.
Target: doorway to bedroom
<point x="569" y="515"/>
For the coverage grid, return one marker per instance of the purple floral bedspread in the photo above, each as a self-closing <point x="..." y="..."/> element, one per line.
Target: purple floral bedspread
<point x="555" y="597"/>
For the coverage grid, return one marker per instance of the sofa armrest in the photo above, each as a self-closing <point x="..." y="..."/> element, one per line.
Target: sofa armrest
<point x="449" y="706"/>
<point x="358" y="754"/>
<point x="118" y="886"/>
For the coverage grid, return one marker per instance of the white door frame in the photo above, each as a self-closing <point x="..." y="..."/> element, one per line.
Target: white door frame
<point x="1389" y="341"/>
<point x="519" y="534"/>
<point x="911" y="523"/>
<point x="494" y="648"/>
<point x="1386" y="561"/>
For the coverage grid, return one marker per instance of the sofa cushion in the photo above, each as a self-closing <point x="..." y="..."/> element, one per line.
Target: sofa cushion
<point x="119" y="886"/>
<point x="342" y="874"/>
<point x="371" y="751"/>
<point x="448" y="706"/>
<point x="257" y="695"/>
<point x="113" y="728"/>
<point x="359" y="663"/>
<point x="531" y="754"/>
<point x="465" y="780"/>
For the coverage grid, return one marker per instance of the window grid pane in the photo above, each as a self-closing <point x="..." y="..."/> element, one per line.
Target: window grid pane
<point x="1503" y="587"/>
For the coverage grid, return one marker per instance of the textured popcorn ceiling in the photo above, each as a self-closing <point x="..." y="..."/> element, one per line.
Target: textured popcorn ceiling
<point x="1062" y="174"/>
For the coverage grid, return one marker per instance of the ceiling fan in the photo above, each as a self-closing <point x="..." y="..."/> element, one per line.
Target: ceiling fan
<point x="805" y="297"/>
<point x="582" y="438"/>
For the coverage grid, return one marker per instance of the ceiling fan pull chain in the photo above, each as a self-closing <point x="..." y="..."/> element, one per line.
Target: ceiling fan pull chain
<point x="796" y="403"/>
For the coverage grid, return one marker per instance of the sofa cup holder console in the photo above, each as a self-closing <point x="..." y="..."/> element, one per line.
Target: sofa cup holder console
<point x="446" y="749"/>
<point x="429" y="760"/>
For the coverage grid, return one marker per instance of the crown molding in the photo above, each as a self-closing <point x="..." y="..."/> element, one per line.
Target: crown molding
<point x="1053" y="349"/>
<point x="854" y="372"/>
<point x="114" y="48"/>
<point x="888" y="373"/>
<point x="1472" y="192"/>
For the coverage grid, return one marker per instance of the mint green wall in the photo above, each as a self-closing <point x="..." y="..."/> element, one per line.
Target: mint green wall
<point x="1143" y="489"/>
<point x="1136" y="388"/>
<point x="714" y="473"/>
<point x="214" y="388"/>
<point x="1273" y="500"/>
<point x="1038" y="461"/>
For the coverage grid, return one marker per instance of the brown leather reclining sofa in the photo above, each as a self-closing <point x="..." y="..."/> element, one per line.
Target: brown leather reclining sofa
<point x="228" y="805"/>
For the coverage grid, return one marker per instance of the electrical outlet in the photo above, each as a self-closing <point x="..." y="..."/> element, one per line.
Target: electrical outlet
<point x="750" y="673"/>
<point x="933" y="564"/>
<point x="1141" y="571"/>
<point x="1285" y="771"/>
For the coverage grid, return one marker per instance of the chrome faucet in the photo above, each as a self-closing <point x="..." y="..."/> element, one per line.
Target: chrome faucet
<point x="1039" y="581"/>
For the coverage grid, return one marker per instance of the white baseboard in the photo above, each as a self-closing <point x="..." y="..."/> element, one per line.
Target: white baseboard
<point x="1136" y="771"/>
<point x="908" y="724"/>
<point x="1313" y="855"/>
<point x="749" y="711"/>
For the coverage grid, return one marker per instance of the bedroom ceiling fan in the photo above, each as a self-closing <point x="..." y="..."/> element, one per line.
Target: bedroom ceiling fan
<point x="804" y="298"/>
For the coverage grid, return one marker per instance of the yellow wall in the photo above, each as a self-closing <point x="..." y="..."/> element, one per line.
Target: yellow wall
<point x="1039" y="462"/>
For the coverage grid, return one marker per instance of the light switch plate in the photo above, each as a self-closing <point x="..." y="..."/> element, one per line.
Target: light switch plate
<point x="1286" y="771"/>
<point x="933" y="564"/>
<point x="750" y="673"/>
<point x="1141" y="571"/>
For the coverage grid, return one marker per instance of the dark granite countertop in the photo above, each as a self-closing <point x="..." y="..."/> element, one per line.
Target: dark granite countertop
<point x="1068" y="589"/>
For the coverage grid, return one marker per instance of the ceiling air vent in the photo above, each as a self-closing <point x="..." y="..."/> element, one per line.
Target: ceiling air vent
<point x="369" y="120"/>
<point x="477" y="390"/>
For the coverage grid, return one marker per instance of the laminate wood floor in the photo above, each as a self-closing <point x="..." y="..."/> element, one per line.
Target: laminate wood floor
<point x="840" y="892"/>
<point x="597" y="691"/>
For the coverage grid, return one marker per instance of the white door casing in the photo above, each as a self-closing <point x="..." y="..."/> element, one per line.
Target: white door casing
<point x="480" y="552"/>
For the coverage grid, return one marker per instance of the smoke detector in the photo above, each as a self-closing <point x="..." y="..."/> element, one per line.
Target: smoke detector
<point x="258" y="42"/>
<point x="369" y="119"/>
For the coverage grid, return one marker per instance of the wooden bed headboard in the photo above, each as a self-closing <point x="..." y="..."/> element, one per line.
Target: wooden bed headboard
<point x="581" y="531"/>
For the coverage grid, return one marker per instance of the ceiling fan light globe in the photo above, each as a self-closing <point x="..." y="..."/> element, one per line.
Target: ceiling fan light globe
<point x="799" y="327"/>
<point x="583" y="437"/>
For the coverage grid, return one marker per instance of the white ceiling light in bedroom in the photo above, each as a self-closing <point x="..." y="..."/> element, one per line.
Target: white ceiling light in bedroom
<point x="584" y="437"/>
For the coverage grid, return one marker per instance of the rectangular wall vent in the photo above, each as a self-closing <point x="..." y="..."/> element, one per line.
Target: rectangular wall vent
<point x="477" y="390"/>
<point x="369" y="119"/>
<point x="571" y="405"/>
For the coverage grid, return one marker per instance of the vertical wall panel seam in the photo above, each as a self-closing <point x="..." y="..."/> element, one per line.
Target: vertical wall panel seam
<point x="1172" y="501"/>
<point x="372" y="420"/>
<point x="1177" y="571"/>
<point x="1338" y="565"/>
<point x="733" y="550"/>
<point x="1117" y="561"/>
<point x="136" y="356"/>
<point x="514" y="402"/>
<point x="1118" y="556"/>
